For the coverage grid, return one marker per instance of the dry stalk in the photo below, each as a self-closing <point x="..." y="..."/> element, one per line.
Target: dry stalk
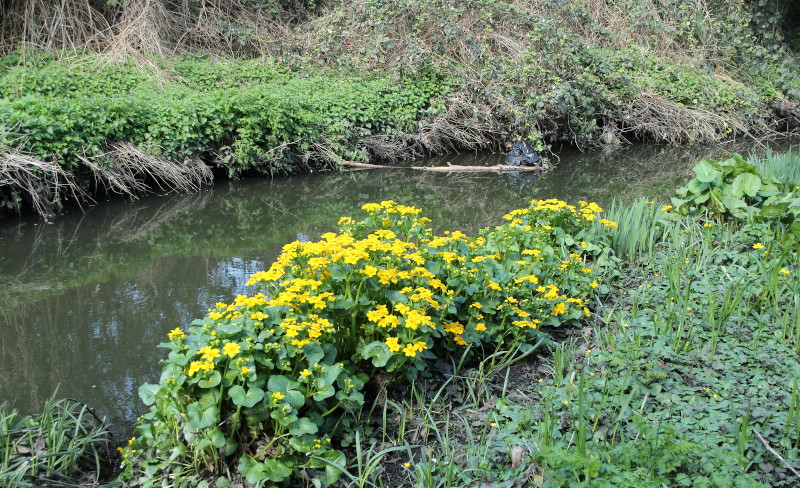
<point x="134" y="171"/>
<point x="43" y="184"/>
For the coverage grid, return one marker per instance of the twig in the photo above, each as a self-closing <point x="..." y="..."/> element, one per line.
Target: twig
<point x="774" y="453"/>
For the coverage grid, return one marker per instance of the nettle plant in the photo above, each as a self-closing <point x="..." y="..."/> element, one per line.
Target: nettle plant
<point x="272" y="383"/>
<point x="736" y="188"/>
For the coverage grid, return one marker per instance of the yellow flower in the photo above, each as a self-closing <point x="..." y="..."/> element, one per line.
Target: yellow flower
<point x="244" y="371"/>
<point x="411" y="350"/>
<point x="407" y="465"/>
<point x="176" y="333"/>
<point x="480" y="327"/>
<point x="784" y="271"/>
<point x="278" y="396"/>
<point x="758" y="245"/>
<point x="558" y="310"/>
<point x="666" y="208"/>
<point x="608" y="223"/>
<point x="305" y="373"/>
<point x="196" y="366"/>
<point x="208" y="353"/>
<point x="231" y="349"/>
<point x="391" y="343"/>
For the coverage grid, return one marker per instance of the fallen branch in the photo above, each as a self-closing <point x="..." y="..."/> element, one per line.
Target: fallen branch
<point x="498" y="168"/>
<point x="774" y="453"/>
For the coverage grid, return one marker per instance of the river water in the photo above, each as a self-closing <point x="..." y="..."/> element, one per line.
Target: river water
<point x="85" y="300"/>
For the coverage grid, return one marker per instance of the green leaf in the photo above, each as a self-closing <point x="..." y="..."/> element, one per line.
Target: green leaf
<point x="735" y="206"/>
<point x="147" y="392"/>
<point x="794" y="228"/>
<point x="338" y="273"/>
<point x="377" y="351"/>
<point x="334" y="468"/>
<point x="276" y="471"/>
<point x="746" y="184"/>
<point x="295" y="398"/>
<point x="396" y="296"/>
<point x="252" y="470"/>
<point x="280" y="383"/>
<point x="303" y="426"/>
<point x="218" y="439"/>
<point x="314" y="353"/>
<point x="696" y="186"/>
<point x="210" y="382"/>
<point x="705" y="171"/>
<point x="202" y="417"/>
<point x="326" y="392"/>
<point x="774" y="210"/>
<point x="248" y="399"/>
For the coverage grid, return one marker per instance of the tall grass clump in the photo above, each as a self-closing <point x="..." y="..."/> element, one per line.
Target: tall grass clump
<point x="62" y="445"/>
<point x="641" y="227"/>
<point x="783" y="167"/>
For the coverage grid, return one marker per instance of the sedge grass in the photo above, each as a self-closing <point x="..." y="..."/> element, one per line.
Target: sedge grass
<point x="62" y="445"/>
<point x="784" y="167"/>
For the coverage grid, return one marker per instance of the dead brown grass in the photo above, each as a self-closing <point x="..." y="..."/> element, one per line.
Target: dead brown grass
<point x="41" y="184"/>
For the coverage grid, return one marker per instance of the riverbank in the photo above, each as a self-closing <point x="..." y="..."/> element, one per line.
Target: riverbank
<point x="683" y="373"/>
<point x="306" y="85"/>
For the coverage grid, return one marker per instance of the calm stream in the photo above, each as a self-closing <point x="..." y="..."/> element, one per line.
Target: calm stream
<point x="85" y="300"/>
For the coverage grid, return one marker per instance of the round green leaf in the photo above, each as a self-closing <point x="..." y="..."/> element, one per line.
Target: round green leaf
<point x="202" y="417"/>
<point x="705" y="172"/>
<point x="303" y="426"/>
<point x="210" y="382"/>
<point x="147" y="392"/>
<point x="245" y="399"/>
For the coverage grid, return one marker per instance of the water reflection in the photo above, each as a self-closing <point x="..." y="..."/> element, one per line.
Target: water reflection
<point x="85" y="300"/>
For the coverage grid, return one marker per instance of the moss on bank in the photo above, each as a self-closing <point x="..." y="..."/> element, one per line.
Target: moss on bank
<point x="307" y="84"/>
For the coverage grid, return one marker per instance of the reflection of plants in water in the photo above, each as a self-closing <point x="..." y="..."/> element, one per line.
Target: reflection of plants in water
<point x="261" y="215"/>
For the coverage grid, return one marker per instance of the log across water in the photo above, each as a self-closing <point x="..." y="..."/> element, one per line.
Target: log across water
<point x="498" y="168"/>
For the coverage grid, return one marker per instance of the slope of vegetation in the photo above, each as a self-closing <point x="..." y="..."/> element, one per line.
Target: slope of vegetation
<point x="114" y="103"/>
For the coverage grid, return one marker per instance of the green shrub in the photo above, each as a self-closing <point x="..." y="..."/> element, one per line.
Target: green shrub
<point x="735" y="188"/>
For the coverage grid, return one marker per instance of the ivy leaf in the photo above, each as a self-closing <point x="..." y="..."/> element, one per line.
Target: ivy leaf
<point x="245" y="399"/>
<point x="202" y="417"/>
